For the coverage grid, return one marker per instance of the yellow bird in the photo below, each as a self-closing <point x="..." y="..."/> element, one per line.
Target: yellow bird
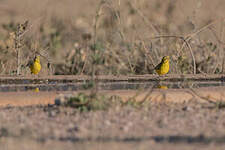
<point x="35" y="66"/>
<point x="163" y="67"/>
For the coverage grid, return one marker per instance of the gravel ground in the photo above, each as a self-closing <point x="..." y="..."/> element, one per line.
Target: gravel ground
<point x="159" y="126"/>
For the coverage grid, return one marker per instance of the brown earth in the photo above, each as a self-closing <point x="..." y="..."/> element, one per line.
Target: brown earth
<point x="175" y="119"/>
<point x="160" y="126"/>
<point x="155" y="95"/>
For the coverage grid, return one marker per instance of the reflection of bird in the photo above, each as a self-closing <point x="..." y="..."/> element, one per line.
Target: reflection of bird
<point x="162" y="87"/>
<point x="36" y="89"/>
<point x="35" y="65"/>
<point x="164" y="66"/>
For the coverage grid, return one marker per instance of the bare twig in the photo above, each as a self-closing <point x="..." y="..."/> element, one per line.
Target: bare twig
<point x="191" y="35"/>
<point x="118" y="18"/>
<point x="146" y="21"/>
<point x="148" y="54"/>
<point x="20" y="31"/>
<point x="148" y="94"/>
<point x="191" y="91"/>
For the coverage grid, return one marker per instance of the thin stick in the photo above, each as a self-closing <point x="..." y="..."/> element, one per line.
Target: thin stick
<point x="190" y="36"/>
<point x="148" y="54"/>
<point x="18" y="61"/>
<point x="192" y="92"/>
<point x="146" y="21"/>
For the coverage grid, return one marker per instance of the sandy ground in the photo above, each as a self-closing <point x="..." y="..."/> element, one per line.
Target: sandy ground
<point x="190" y="125"/>
<point x="155" y="95"/>
<point x="175" y="119"/>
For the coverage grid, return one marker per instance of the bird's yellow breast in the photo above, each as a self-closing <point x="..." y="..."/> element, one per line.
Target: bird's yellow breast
<point x="35" y="68"/>
<point x="163" y="68"/>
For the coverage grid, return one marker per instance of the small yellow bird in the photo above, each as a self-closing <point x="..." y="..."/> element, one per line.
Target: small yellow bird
<point x="35" y="66"/>
<point x="163" y="67"/>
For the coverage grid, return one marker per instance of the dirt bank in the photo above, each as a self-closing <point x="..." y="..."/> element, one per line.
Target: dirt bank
<point x="155" y="95"/>
<point x="159" y="126"/>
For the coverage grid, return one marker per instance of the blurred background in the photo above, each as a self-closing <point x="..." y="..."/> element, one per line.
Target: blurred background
<point x="118" y="37"/>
